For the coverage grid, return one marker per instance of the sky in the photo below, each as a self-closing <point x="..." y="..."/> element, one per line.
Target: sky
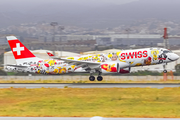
<point x="27" y="5"/>
<point x="77" y="1"/>
<point x="97" y="12"/>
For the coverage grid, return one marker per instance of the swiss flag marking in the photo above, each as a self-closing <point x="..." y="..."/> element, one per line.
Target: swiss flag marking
<point x="50" y="54"/>
<point x="18" y="49"/>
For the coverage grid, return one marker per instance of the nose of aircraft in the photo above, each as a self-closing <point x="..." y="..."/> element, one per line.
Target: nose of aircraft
<point x="175" y="56"/>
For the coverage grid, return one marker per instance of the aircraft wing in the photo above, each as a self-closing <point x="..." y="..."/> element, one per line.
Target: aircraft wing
<point x="84" y="64"/>
<point x="18" y="66"/>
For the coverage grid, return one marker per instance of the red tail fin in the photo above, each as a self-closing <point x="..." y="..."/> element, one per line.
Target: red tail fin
<point x="50" y="54"/>
<point x="18" y="49"/>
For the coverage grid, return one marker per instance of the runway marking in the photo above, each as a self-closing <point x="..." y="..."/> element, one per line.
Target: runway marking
<point x="89" y="85"/>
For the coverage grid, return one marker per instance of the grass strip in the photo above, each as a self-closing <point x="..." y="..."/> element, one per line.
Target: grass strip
<point x="77" y="102"/>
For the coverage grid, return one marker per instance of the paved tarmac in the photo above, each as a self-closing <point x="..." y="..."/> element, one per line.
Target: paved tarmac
<point x="89" y="85"/>
<point x="79" y="118"/>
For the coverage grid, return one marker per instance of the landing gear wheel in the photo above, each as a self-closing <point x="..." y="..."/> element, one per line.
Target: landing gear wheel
<point x="160" y="61"/>
<point x="91" y="78"/>
<point x="165" y="71"/>
<point x="99" y="78"/>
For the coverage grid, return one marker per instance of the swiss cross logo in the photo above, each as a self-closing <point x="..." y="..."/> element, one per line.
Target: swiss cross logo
<point x="50" y="54"/>
<point x="18" y="49"/>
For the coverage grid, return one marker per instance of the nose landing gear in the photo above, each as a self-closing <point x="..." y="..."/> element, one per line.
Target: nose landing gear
<point x="164" y="71"/>
<point x="164" y="67"/>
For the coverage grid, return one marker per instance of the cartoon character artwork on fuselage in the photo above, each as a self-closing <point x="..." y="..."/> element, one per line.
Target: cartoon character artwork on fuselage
<point x="114" y="62"/>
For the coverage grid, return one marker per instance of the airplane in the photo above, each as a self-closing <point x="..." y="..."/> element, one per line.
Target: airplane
<point x="50" y="54"/>
<point x="114" y="62"/>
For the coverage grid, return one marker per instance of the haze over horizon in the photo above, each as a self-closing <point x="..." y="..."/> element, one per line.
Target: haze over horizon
<point x="92" y="13"/>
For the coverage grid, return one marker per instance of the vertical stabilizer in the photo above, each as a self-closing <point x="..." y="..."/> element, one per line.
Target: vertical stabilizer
<point x="21" y="54"/>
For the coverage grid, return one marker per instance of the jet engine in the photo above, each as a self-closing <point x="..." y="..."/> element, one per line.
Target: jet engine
<point x="125" y="70"/>
<point x="115" y="67"/>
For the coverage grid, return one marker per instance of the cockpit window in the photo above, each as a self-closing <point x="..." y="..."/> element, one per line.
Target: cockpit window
<point x="166" y="51"/>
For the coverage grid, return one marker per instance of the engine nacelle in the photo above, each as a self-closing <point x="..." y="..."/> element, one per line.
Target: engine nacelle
<point x="115" y="67"/>
<point x="125" y="70"/>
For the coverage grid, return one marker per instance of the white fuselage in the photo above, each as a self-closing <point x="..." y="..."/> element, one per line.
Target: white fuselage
<point x="113" y="62"/>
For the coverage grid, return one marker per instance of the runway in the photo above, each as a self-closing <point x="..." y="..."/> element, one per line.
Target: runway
<point x="88" y="85"/>
<point x="79" y="118"/>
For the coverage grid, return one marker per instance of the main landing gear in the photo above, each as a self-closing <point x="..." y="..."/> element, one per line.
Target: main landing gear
<point x="92" y="78"/>
<point x="99" y="78"/>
